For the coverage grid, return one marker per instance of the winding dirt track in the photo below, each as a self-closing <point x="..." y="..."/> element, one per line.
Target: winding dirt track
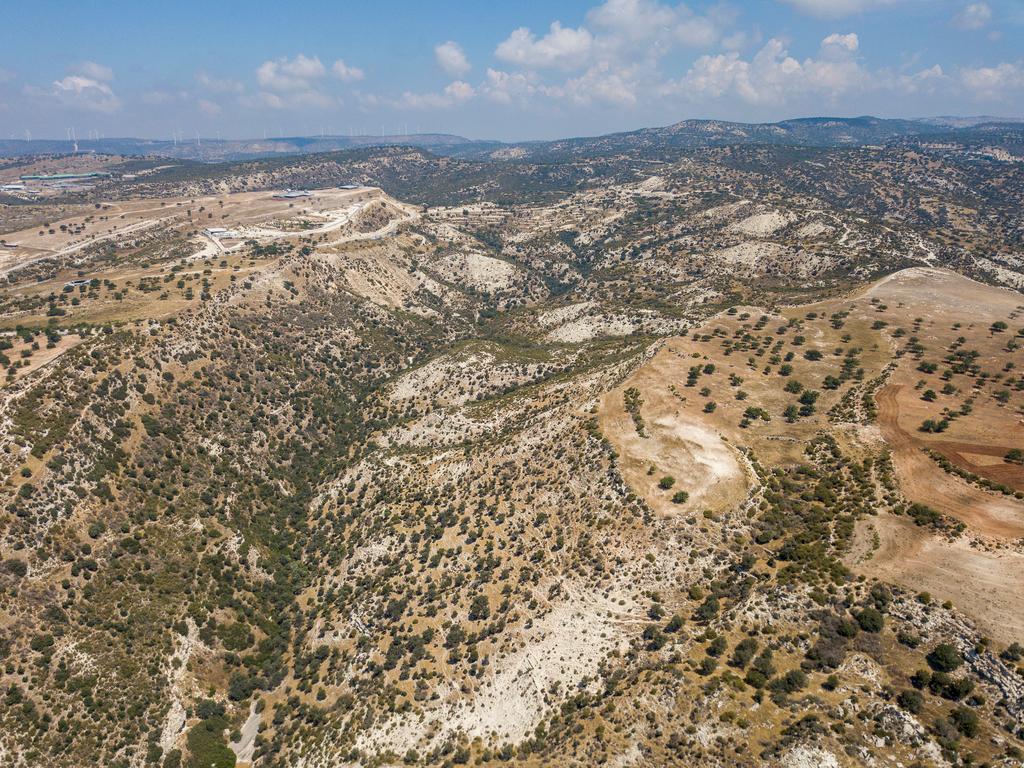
<point x="982" y="579"/>
<point x="984" y="512"/>
<point x="984" y="585"/>
<point x="982" y="571"/>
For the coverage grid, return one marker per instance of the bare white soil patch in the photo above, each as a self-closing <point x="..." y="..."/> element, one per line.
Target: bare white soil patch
<point x="512" y="153"/>
<point x="700" y="461"/>
<point x="476" y="270"/>
<point x="177" y="672"/>
<point x="749" y="253"/>
<point x="652" y="184"/>
<point x="587" y="320"/>
<point x="382" y="276"/>
<point x="762" y="224"/>
<point x="810" y="757"/>
<point x="675" y="443"/>
<point x="814" y="229"/>
<point x="723" y="211"/>
<point x="438" y="376"/>
<point x="587" y="328"/>
<point x="245" y="747"/>
<point x="556" y="653"/>
<point x="554" y="317"/>
<point x="441" y="427"/>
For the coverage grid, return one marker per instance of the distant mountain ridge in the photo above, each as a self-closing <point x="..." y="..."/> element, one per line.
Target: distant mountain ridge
<point x="693" y="134"/>
<point x="686" y="134"/>
<point x="957" y="121"/>
<point x="217" y="150"/>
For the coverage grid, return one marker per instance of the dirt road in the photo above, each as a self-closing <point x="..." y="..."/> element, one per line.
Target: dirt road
<point x="984" y="585"/>
<point x="984" y="512"/>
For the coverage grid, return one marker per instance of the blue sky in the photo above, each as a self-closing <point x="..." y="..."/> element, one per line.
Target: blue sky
<point x="496" y="70"/>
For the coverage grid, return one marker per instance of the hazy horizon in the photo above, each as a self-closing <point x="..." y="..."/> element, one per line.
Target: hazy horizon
<point x="182" y="139"/>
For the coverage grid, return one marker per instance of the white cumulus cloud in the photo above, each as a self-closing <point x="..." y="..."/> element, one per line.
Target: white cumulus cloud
<point x="209" y="108"/>
<point x="772" y="76"/>
<point x="838" y="8"/>
<point x="840" y="43"/>
<point x="346" y="73"/>
<point x="561" y="47"/>
<point x="455" y="93"/>
<point x="505" y="87"/>
<point x="601" y="84"/>
<point x="452" y="59"/>
<point x="284" y="74"/>
<point x="973" y="16"/>
<point x="614" y="58"/>
<point x="647" y="22"/>
<point x="292" y="82"/>
<point x="157" y="98"/>
<point x="94" y="71"/>
<point x="924" y="81"/>
<point x="636" y="20"/>
<point x="998" y="83"/>
<point x="86" y="93"/>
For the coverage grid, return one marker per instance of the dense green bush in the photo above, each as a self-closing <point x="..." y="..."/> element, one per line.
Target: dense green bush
<point x="870" y="620"/>
<point x="944" y="658"/>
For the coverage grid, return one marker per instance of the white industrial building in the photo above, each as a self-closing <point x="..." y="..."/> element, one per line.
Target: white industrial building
<point x="219" y="233"/>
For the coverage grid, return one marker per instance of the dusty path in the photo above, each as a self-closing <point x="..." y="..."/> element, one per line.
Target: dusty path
<point x="923" y="481"/>
<point x="245" y="747"/>
<point x="124" y="219"/>
<point x="80" y="244"/>
<point x="981" y="572"/>
<point x="984" y="585"/>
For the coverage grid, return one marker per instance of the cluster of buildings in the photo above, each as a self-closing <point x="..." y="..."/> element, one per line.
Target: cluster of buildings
<point x="33" y="184"/>
<point x="294" y="194"/>
<point x="59" y="177"/>
<point x="15" y="189"/>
